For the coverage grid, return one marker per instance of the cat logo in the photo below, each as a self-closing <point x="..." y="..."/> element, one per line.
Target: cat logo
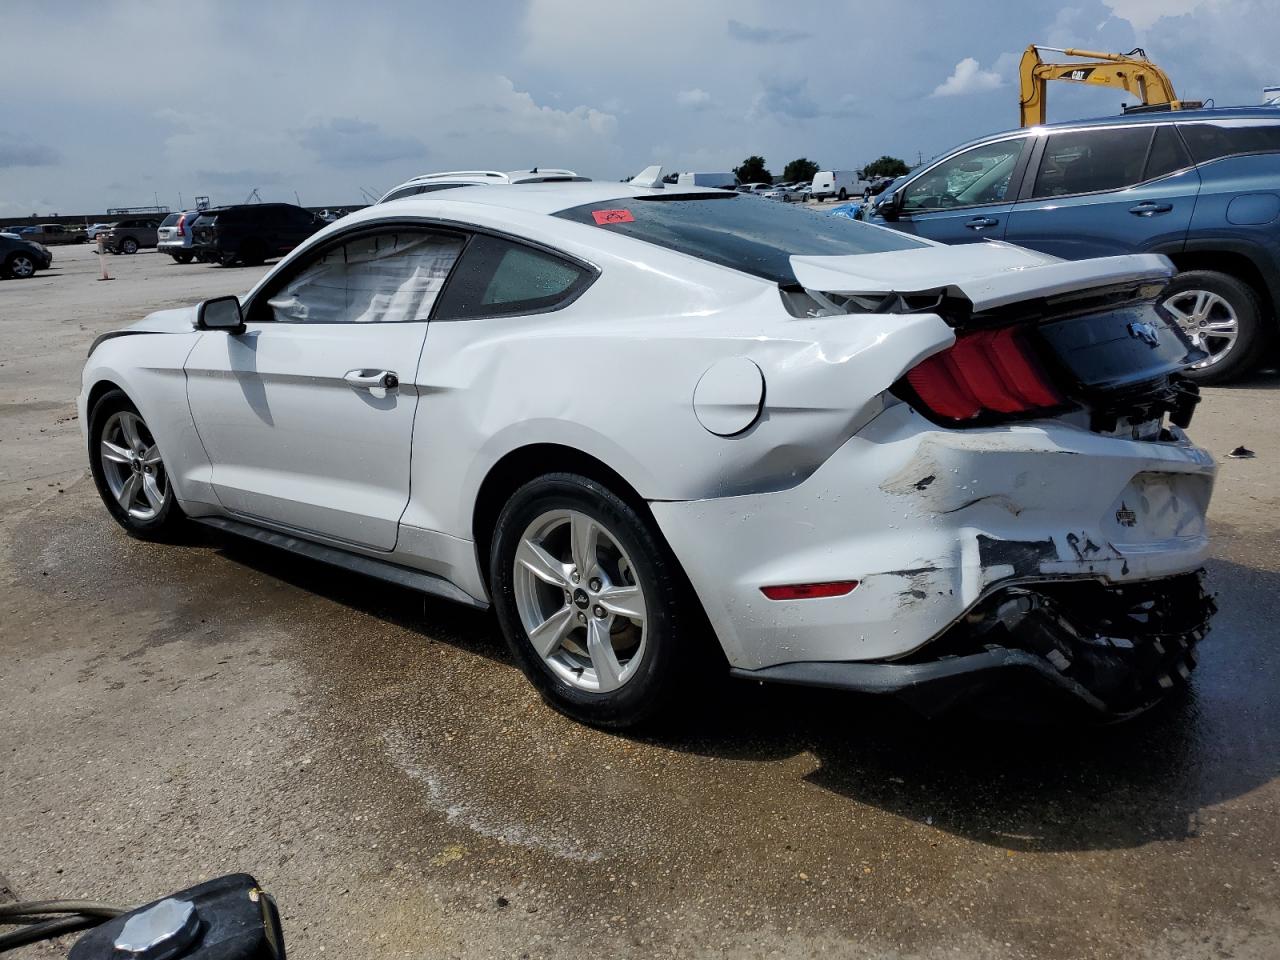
<point x="1079" y="75"/>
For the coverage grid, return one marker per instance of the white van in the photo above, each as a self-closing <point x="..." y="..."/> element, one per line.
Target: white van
<point x="838" y="183"/>
<point x="721" y="181"/>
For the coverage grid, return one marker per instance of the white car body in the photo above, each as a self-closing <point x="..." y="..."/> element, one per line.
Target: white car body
<point x="716" y="181"/>
<point x="782" y="191"/>
<point x="431" y="182"/>
<point x="830" y="183"/>
<point x="770" y="448"/>
<point x="91" y="232"/>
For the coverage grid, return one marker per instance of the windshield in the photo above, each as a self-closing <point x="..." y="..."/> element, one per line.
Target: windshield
<point x="738" y="232"/>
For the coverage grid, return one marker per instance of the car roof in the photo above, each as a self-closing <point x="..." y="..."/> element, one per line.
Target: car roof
<point x="536" y="198"/>
<point x="1127" y="119"/>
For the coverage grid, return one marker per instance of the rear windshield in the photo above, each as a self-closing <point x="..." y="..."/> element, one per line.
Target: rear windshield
<point x="745" y="233"/>
<point x="170" y="220"/>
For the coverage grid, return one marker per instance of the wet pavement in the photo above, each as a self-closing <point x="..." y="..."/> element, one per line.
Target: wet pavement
<point x="174" y="712"/>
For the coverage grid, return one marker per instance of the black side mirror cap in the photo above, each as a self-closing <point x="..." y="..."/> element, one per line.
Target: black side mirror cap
<point x="220" y="313"/>
<point x="890" y="208"/>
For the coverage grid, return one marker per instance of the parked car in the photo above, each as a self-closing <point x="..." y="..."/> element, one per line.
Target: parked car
<point x="430" y="182"/>
<point x="20" y="259"/>
<point x="52" y="234"/>
<point x="785" y="192"/>
<point x="858" y="460"/>
<point x="1201" y="187"/>
<point x="842" y="184"/>
<point x="91" y="232"/>
<point x="131" y="235"/>
<point x="174" y="235"/>
<point x="755" y="189"/>
<point x="251" y="233"/>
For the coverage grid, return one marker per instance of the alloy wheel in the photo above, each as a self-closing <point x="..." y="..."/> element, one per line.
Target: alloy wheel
<point x="579" y="601"/>
<point x="22" y="266"/>
<point x="132" y="466"/>
<point x="1208" y="320"/>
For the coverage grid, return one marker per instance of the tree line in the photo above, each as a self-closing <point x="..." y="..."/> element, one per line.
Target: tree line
<point x="753" y="170"/>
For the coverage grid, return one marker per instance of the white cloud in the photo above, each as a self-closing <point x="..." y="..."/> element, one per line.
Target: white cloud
<point x="1144" y="13"/>
<point x="695" y="99"/>
<point x="968" y="77"/>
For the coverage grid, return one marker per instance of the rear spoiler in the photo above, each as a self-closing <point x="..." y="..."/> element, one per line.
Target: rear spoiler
<point x="988" y="275"/>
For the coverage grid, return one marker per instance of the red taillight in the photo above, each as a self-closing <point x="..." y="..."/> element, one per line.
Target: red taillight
<point x="984" y="371"/>
<point x="181" y="220"/>
<point x="809" y="591"/>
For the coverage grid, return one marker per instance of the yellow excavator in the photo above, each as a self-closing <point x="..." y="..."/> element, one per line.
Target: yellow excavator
<point x="1131" y="71"/>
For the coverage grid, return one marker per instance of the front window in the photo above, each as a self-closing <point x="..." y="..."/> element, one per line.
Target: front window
<point x="980" y="175"/>
<point x="383" y="278"/>
<point x="738" y="232"/>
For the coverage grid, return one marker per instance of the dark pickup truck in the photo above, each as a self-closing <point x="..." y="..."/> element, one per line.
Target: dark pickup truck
<point x="251" y="233"/>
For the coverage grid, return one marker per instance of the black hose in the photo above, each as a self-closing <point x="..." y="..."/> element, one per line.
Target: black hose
<point x="46" y="930"/>
<point x="32" y="908"/>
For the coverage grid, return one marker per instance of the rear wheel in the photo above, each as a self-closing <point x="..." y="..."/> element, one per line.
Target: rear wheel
<point x="592" y="603"/>
<point x="129" y="471"/>
<point x="1221" y="315"/>
<point x="181" y="257"/>
<point x="227" y="259"/>
<point x="129" y="245"/>
<point x="19" y="266"/>
<point x="844" y="194"/>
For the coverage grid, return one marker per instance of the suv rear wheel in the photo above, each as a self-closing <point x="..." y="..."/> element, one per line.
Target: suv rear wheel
<point x="593" y="605"/>
<point x="1221" y="315"/>
<point x="128" y="245"/>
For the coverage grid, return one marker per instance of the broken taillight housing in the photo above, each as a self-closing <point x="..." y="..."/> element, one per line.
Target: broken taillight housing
<point x="983" y="372"/>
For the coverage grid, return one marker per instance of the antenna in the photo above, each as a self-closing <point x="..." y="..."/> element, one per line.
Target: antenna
<point x="369" y="195"/>
<point x="254" y="196"/>
<point x="298" y="198"/>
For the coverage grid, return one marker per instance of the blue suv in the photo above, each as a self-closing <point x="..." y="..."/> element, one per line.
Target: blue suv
<point x="1200" y="186"/>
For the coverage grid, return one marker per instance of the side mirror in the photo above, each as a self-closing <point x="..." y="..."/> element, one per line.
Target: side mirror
<point x="891" y="207"/>
<point x="220" y="313"/>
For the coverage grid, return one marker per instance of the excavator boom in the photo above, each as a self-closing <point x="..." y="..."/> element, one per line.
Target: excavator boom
<point x="1131" y="72"/>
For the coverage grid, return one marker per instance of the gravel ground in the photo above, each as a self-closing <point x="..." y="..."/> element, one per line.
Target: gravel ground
<point x="171" y="713"/>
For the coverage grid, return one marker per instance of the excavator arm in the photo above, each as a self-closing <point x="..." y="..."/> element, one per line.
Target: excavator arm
<point x="1131" y="72"/>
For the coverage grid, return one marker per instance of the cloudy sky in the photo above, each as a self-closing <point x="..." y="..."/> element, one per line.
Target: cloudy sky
<point x="119" y="103"/>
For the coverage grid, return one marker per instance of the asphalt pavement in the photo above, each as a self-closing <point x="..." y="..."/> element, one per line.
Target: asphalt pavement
<point x="171" y="713"/>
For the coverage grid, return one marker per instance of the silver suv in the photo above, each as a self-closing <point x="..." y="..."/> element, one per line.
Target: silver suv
<point x="174" y="235"/>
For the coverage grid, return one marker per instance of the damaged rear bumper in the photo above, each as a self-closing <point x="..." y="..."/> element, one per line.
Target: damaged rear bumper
<point x="1116" y="651"/>
<point x="932" y="524"/>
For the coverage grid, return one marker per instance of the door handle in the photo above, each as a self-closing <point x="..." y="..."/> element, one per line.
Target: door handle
<point x="372" y="379"/>
<point x="979" y="223"/>
<point x="1149" y="208"/>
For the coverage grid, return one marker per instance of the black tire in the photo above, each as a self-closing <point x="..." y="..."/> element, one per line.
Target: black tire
<point x="253" y="255"/>
<point x="167" y="522"/>
<point x="1251" y="337"/>
<point x="227" y="259"/>
<point x="19" y="266"/>
<point x="129" y="246"/>
<point x="181" y="257"/>
<point x="671" y="645"/>
<point x="844" y="194"/>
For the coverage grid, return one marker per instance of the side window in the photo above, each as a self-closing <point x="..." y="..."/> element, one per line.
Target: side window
<point x="498" y="277"/>
<point x="979" y="175"/>
<point x="1209" y="141"/>
<point x="383" y="278"/>
<point x="1089" y="161"/>
<point x="1167" y="154"/>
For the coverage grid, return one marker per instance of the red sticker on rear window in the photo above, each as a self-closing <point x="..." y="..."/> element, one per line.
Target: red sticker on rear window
<point x="612" y="216"/>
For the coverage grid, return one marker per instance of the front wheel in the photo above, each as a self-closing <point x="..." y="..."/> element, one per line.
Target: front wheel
<point x="1221" y="315"/>
<point x="592" y="603"/>
<point x="129" y="245"/>
<point x="19" y="266"/>
<point x="129" y="471"/>
<point x="844" y="194"/>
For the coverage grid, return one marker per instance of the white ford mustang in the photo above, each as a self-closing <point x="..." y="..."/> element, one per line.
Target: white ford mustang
<point x="644" y="423"/>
